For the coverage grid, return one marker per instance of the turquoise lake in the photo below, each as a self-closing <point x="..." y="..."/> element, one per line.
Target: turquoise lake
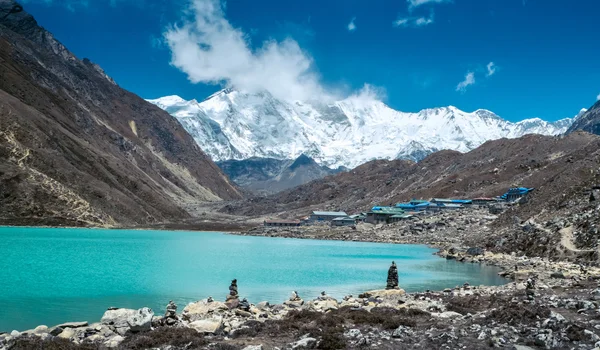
<point x="52" y="276"/>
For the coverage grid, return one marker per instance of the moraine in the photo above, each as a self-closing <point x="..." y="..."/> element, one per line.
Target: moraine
<point x="57" y="275"/>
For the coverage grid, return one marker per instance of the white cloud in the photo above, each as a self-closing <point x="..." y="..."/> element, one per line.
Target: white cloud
<point x="401" y="22"/>
<point x="367" y="94"/>
<point x="598" y="97"/>
<point x="491" y="69"/>
<point x="423" y="21"/>
<point x="416" y="3"/>
<point x="210" y="50"/>
<point x="469" y="80"/>
<point x="352" y="25"/>
<point x="414" y="21"/>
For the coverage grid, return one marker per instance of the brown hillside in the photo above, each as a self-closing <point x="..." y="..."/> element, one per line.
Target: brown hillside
<point x="77" y="149"/>
<point x="554" y="165"/>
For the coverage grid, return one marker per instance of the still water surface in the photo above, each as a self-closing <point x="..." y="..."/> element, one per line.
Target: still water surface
<point x="53" y="275"/>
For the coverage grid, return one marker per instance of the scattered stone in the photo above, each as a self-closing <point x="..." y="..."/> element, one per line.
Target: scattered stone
<point x="557" y="274"/>
<point x="304" y="343"/>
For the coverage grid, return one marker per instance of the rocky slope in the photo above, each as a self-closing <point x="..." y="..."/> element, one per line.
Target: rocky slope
<point x="76" y="149"/>
<point x="557" y="166"/>
<point x="589" y="121"/>
<point x="268" y="175"/>
<point x="235" y="125"/>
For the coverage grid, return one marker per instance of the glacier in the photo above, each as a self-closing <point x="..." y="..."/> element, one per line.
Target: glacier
<point x="231" y="124"/>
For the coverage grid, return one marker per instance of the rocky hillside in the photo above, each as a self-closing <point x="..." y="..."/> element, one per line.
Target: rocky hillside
<point x="268" y="175"/>
<point x="76" y="149"/>
<point x="557" y="166"/>
<point x="590" y="121"/>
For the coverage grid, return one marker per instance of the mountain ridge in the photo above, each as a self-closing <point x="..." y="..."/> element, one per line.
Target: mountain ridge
<point x="265" y="176"/>
<point x="77" y="150"/>
<point x="234" y="125"/>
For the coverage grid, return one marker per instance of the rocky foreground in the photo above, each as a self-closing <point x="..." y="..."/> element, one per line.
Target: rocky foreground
<point x="548" y="305"/>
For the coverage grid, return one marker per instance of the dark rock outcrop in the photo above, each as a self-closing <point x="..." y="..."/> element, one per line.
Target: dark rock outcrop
<point x="268" y="175"/>
<point x="76" y="149"/>
<point x="589" y="121"/>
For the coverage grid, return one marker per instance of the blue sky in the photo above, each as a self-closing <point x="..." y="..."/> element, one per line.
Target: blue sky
<point x="518" y="58"/>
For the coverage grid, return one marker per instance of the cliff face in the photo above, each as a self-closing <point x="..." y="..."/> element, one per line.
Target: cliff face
<point x="77" y="149"/>
<point x="589" y="121"/>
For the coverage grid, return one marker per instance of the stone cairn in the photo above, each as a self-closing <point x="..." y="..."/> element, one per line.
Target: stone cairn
<point x="392" y="279"/>
<point x="530" y="287"/>
<point x="233" y="300"/>
<point x="171" y="314"/>
<point x="294" y="301"/>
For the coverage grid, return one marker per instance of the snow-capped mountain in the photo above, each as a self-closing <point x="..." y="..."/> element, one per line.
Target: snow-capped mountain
<point x="235" y="125"/>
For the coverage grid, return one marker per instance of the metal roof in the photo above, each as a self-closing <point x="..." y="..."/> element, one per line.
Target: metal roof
<point x="387" y="210"/>
<point x="329" y="213"/>
<point x="343" y="218"/>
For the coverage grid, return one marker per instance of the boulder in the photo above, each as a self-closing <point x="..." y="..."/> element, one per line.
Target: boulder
<point x="67" y="333"/>
<point x="73" y="325"/>
<point x="294" y="304"/>
<point x="212" y="325"/>
<point x="447" y="315"/>
<point x="322" y="304"/>
<point x="254" y="347"/>
<point x="56" y="331"/>
<point x="304" y="343"/>
<point x="391" y="297"/>
<point x="201" y="309"/>
<point x="114" y="341"/>
<point x="264" y="305"/>
<point x="123" y="320"/>
<point x="40" y="330"/>
<point x="557" y="274"/>
<point x="475" y="251"/>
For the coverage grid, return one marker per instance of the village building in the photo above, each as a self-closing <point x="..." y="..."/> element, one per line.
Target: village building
<point x="282" y="223"/>
<point x="483" y="201"/>
<point x="382" y="214"/>
<point x="463" y="202"/>
<point x="449" y="206"/>
<point x="414" y="205"/>
<point x="400" y="217"/>
<point x="325" y="216"/>
<point x="515" y="193"/>
<point x="362" y="217"/>
<point x="343" y="221"/>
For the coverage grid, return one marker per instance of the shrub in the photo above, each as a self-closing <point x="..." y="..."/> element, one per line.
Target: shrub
<point x="163" y="336"/>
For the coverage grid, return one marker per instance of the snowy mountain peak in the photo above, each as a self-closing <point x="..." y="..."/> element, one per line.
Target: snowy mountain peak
<point x="231" y="124"/>
<point x="167" y="101"/>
